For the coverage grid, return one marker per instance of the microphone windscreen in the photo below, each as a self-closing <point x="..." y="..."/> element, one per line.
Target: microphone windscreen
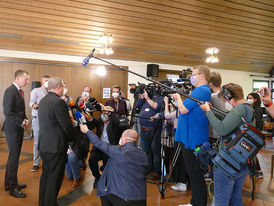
<point x="71" y="103"/>
<point x="78" y="115"/>
<point x="82" y="105"/>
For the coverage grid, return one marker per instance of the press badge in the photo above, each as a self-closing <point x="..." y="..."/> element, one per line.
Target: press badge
<point x="147" y="110"/>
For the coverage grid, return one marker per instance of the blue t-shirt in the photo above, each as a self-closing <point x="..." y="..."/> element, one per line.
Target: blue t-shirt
<point x="192" y="128"/>
<point x="148" y="111"/>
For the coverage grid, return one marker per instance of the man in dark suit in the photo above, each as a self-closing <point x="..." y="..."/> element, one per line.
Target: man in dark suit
<point x="56" y="130"/>
<point x="106" y="129"/>
<point x="15" y="122"/>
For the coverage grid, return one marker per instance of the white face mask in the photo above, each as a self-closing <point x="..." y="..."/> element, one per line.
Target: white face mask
<point x="114" y="94"/>
<point x="228" y="106"/>
<point x="85" y="94"/>
<point x="250" y="101"/>
<point x="46" y="84"/>
<point x="65" y="91"/>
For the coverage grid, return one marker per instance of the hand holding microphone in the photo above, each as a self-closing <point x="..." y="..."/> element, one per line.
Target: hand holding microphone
<point x="80" y="118"/>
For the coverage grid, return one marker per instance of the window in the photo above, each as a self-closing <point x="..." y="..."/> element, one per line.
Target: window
<point x="257" y="84"/>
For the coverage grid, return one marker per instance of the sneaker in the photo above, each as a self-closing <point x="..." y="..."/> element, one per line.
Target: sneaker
<point x="186" y="204"/>
<point x="34" y="168"/>
<point x="179" y="187"/>
<point x="207" y="177"/>
<point x="259" y="175"/>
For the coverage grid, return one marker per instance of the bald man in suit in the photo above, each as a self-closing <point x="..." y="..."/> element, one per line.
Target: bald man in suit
<point x="14" y="124"/>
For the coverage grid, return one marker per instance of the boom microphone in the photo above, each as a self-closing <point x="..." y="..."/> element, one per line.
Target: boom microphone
<point x="86" y="60"/>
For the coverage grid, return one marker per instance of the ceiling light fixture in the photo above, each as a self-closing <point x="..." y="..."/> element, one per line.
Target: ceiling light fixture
<point x="212" y="58"/>
<point x="101" y="71"/>
<point x="106" y="39"/>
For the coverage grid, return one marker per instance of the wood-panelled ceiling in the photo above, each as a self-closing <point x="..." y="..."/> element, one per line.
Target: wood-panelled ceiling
<point x="160" y="31"/>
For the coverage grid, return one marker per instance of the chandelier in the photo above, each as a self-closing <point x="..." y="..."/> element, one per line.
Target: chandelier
<point x="106" y="39"/>
<point x="212" y="58"/>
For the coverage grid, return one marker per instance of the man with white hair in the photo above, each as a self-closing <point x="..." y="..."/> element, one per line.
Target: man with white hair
<point x="56" y="130"/>
<point x="123" y="181"/>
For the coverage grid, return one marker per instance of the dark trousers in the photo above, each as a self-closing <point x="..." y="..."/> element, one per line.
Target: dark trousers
<point x="180" y="174"/>
<point x="113" y="200"/>
<point x="151" y="144"/>
<point x="14" y="140"/>
<point x="95" y="156"/>
<point x="196" y="176"/>
<point x="53" y="169"/>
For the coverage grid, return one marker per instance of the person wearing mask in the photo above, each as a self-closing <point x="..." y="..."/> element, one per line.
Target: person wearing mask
<point x="35" y="97"/>
<point x="56" y="130"/>
<point x="217" y="102"/>
<point x="192" y="130"/>
<point x="119" y="106"/>
<point x="255" y="101"/>
<point x="179" y="176"/>
<point x="85" y="101"/>
<point x="151" y="130"/>
<point x="15" y="123"/>
<point x="106" y="129"/>
<point x="123" y="181"/>
<point x="226" y="189"/>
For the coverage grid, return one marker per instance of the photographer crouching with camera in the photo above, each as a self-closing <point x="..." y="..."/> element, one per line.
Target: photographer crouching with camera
<point x="192" y="130"/>
<point x="149" y="105"/>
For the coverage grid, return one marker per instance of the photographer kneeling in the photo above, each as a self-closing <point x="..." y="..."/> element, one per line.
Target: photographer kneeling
<point x="226" y="189"/>
<point x="123" y="181"/>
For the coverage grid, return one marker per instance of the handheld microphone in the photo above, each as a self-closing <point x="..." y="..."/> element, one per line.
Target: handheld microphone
<point x="80" y="117"/>
<point x="86" y="60"/>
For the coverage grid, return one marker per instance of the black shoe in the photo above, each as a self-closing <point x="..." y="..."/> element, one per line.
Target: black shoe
<point x="16" y="192"/>
<point x="34" y="168"/>
<point x="7" y="187"/>
<point x="95" y="183"/>
<point x="102" y="168"/>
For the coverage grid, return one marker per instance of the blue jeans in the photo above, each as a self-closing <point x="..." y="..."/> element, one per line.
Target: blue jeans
<point x="73" y="166"/>
<point x="228" y="190"/>
<point x="151" y="144"/>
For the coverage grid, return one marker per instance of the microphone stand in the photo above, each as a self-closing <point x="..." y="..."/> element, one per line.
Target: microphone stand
<point x="154" y="81"/>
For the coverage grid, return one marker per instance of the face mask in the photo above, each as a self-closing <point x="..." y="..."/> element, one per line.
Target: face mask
<point x="46" y="84"/>
<point x="193" y="80"/>
<point x="85" y="94"/>
<point x="114" y="94"/>
<point x="65" y="91"/>
<point x="249" y="101"/>
<point x="228" y="106"/>
<point x="104" y="117"/>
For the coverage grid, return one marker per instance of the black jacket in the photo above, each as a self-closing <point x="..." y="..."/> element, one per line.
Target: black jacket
<point x="112" y="128"/>
<point x="14" y="108"/>
<point x="56" y="128"/>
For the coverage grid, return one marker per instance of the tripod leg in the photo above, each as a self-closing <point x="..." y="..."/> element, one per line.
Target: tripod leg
<point x="176" y="155"/>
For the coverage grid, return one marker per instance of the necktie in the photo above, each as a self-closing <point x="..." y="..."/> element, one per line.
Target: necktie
<point x="22" y="93"/>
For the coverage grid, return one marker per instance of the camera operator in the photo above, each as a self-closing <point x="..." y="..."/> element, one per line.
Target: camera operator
<point x="192" y="130"/>
<point x="226" y="189"/>
<point x="151" y="130"/>
<point x="106" y="129"/>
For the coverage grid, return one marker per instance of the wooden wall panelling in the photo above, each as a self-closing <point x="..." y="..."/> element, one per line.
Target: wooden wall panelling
<point x="75" y="78"/>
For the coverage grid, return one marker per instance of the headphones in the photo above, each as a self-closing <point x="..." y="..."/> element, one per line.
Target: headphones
<point x="226" y="93"/>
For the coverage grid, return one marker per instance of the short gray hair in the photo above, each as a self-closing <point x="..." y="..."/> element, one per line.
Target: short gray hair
<point x="54" y="82"/>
